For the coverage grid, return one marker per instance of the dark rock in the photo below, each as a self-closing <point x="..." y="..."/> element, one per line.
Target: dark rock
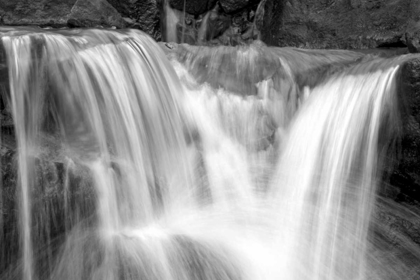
<point x="91" y="13"/>
<point x="213" y="24"/>
<point x="413" y="38"/>
<point x="337" y="24"/>
<point x="39" y="12"/>
<point x="186" y="34"/>
<point x="141" y="14"/>
<point x="63" y="196"/>
<point x="269" y="20"/>
<point x="216" y="27"/>
<point x="53" y="13"/>
<point x="406" y="175"/>
<point x="193" y="7"/>
<point x="232" y="6"/>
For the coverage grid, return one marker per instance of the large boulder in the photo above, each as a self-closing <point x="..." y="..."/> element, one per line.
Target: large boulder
<point x="90" y="13"/>
<point x="356" y="24"/>
<point x="60" y="13"/>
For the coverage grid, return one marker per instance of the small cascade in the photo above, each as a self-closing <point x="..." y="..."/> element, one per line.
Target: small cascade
<point x="221" y="163"/>
<point x="327" y="186"/>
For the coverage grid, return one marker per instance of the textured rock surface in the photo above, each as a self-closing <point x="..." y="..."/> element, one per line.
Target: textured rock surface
<point x="413" y="37"/>
<point x="406" y="176"/>
<point x="214" y="27"/>
<point x="90" y="13"/>
<point x="338" y="24"/>
<point x="140" y="14"/>
<point x="63" y="196"/>
<point x="230" y="6"/>
<point x="40" y="12"/>
<point x="53" y="13"/>
<point x="193" y="7"/>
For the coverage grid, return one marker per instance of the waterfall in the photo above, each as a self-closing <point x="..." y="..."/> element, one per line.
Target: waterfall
<point x="230" y="172"/>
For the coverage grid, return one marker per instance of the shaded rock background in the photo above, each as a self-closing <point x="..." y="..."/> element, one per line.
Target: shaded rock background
<point x="62" y="13"/>
<point x="355" y="24"/>
<point x="332" y="24"/>
<point x="140" y="14"/>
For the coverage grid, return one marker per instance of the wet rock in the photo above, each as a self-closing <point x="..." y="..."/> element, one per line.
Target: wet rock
<point x="214" y="27"/>
<point x="338" y="24"/>
<point x="413" y="38"/>
<point x="231" y="6"/>
<point x="269" y="20"/>
<point x="193" y="7"/>
<point x="144" y="15"/>
<point x="52" y="13"/>
<point x="40" y="12"/>
<point x="406" y="176"/>
<point x="91" y="13"/>
<point x="62" y="197"/>
<point x="219" y="66"/>
<point x="213" y="24"/>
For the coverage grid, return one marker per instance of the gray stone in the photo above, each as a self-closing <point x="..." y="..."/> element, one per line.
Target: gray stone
<point x="53" y="13"/>
<point x="356" y="24"/>
<point x="232" y="6"/>
<point x="91" y="13"/>
<point x="144" y="15"/>
<point x="38" y="12"/>
<point x="413" y="37"/>
<point x="193" y="7"/>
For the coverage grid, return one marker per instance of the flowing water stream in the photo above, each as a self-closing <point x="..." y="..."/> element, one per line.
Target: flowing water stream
<point x="189" y="179"/>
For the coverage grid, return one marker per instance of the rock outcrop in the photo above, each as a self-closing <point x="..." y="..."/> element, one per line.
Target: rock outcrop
<point x="331" y="24"/>
<point x="141" y="14"/>
<point x="356" y="24"/>
<point x="193" y="7"/>
<point x="412" y="37"/>
<point x="63" y="13"/>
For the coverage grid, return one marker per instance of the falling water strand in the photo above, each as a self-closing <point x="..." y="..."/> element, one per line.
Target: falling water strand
<point x="25" y="67"/>
<point x="326" y="178"/>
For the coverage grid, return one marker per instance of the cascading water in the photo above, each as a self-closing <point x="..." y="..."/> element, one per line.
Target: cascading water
<point x="188" y="181"/>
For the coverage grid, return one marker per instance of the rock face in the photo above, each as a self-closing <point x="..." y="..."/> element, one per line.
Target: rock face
<point x="193" y="7"/>
<point x="356" y="24"/>
<point x="226" y="23"/>
<point x="75" y="13"/>
<point x="140" y="14"/>
<point x="406" y="176"/>
<point x="332" y="24"/>
<point x="41" y="12"/>
<point x="412" y="37"/>
<point x="230" y="6"/>
<point x="90" y="13"/>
